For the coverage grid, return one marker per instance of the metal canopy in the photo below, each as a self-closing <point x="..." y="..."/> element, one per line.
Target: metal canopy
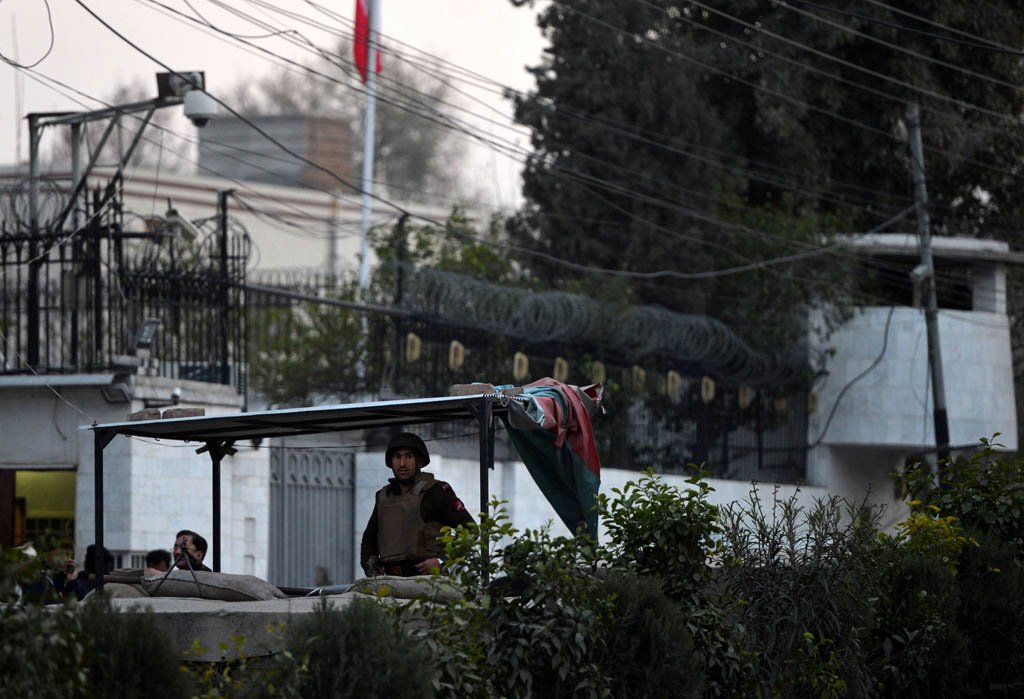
<point x="219" y="433"/>
<point x="303" y="421"/>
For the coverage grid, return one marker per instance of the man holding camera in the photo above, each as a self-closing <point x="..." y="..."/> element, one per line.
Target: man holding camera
<point x="401" y="537"/>
<point x="189" y="550"/>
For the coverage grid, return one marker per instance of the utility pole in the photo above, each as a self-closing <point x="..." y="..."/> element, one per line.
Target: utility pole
<point x="931" y="312"/>
<point x="225" y="281"/>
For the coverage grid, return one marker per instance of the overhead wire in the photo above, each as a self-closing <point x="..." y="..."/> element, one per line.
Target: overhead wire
<point x="902" y="49"/>
<point x="542" y="255"/>
<point x="49" y="49"/>
<point x="972" y="43"/>
<point x="981" y="40"/>
<point x="527" y="251"/>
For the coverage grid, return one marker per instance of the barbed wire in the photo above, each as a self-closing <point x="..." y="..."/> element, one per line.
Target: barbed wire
<point x="562" y="317"/>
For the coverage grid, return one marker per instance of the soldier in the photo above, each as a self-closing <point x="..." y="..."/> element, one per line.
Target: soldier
<point x="401" y="537"/>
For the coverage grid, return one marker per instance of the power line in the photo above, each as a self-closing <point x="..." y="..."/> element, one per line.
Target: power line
<point x="983" y="45"/>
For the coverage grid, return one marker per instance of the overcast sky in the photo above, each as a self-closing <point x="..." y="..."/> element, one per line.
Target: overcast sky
<point x="488" y="37"/>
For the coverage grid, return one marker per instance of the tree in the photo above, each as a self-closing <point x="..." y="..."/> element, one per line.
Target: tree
<point x="690" y="137"/>
<point x="414" y="148"/>
<point x="609" y="183"/>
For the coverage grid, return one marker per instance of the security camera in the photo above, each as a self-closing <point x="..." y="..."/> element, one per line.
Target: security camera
<point x="176" y="395"/>
<point x="187" y="229"/>
<point x="200" y="107"/>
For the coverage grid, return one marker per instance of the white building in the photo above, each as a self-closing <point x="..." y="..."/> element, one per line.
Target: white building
<point x="875" y="403"/>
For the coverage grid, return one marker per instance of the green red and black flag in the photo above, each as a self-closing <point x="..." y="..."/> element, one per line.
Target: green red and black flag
<point x="552" y="431"/>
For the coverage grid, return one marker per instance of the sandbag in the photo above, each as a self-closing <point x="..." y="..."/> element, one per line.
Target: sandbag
<point x="438" y="589"/>
<point x="119" y="591"/>
<point x="217" y="586"/>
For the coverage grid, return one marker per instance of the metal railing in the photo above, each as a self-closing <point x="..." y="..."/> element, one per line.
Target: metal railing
<point x="76" y="302"/>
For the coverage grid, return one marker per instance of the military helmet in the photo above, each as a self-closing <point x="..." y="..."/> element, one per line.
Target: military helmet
<point x="407" y="440"/>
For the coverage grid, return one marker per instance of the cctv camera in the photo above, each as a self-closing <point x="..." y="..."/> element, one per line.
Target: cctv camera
<point x="200" y="107"/>
<point x="187" y="228"/>
<point x="176" y="395"/>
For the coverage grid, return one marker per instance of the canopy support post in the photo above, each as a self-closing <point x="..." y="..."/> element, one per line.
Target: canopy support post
<point x="101" y="438"/>
<point x="486" y="464"/>
<point x="217" y="451"/>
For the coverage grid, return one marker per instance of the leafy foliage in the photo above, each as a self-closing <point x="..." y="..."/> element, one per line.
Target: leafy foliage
<point x="649" y="650"/>
<point x="355" y="651"/>
<point x="81" y="650"/>
<point x="985" y="493"/>
<point x="536" y="631"/>
<point x="657" y="529"/>
<point x="126" y="654"/>
<point x="796" y="580"/>
<point x="308" y="351"/>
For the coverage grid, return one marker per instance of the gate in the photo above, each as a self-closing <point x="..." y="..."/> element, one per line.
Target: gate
<point x="312" y="517"/>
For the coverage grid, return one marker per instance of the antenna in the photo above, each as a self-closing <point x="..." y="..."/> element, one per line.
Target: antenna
<point x="19" y="90"/>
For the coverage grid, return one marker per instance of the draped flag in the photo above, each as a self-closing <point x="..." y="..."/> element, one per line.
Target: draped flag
<point x="552" y="432"/>
<point x="361" y="40"/>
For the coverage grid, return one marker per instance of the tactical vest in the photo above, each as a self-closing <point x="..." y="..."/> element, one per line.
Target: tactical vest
<point x="402" y="535"/>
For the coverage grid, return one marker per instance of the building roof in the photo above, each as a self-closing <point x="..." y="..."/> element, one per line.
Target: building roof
<point x="943" y="247"/>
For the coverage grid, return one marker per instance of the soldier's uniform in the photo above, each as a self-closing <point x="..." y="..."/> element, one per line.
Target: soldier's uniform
<point x="404" y="527"/>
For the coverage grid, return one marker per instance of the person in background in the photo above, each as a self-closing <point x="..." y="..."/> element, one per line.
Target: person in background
<point x="401" y="537"/>
<point x="157" y="561"/>
<point x="189" y="550"/>
<point x="72" y="581"/>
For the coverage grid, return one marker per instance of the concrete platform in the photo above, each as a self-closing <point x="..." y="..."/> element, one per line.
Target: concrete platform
<point x="216" y="624"/>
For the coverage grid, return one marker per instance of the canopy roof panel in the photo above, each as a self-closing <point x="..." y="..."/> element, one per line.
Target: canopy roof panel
<point x="314" y="420"/>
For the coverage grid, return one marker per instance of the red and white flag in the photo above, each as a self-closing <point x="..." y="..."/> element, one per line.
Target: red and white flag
<point x="361" y="40"/>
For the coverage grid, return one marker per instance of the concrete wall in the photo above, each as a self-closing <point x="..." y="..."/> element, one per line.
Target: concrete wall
<point x="891" y="406"/>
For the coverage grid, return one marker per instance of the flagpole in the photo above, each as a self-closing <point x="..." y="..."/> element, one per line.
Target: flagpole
<point x="368" y="128"/>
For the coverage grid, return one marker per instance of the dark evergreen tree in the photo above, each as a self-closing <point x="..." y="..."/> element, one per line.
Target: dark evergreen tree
<point x="697" y="137"/>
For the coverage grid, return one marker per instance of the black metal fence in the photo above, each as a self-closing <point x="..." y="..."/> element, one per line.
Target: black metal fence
<point x="89" y="299"/>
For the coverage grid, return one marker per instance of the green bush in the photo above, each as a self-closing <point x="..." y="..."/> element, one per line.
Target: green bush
<point x="79" y="650"/>
<point x="658" y="529"/>
<point x="916" y="650"/>
<point x="41" y="652"/>
<point x="985" y="493"/>
<point x="356" y="651"/>
<point x="534" y="631"/>
<point x="126" y="654"/>
<point x="648" y="649"/>
<point x="991" y="616"/>
<point x="799" y="585"/>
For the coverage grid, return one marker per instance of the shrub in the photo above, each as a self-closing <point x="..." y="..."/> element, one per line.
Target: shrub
<point x="535" y="630"/>
<point x="991" y="617"/>
<point x="356" y="651"/>
<point x="658" y="529"/>
<point x="41" y="650"/>
<point x="79" y="650"/>
<point x="916" y="649"/>
<point x="985" y="493"/>
<point x="126" y="654"/>
<point x="799" y="584"/>
<point x="648" y="649"/>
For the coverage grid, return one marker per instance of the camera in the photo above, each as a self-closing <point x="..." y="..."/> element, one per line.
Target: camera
<point x="200" y="107"/>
